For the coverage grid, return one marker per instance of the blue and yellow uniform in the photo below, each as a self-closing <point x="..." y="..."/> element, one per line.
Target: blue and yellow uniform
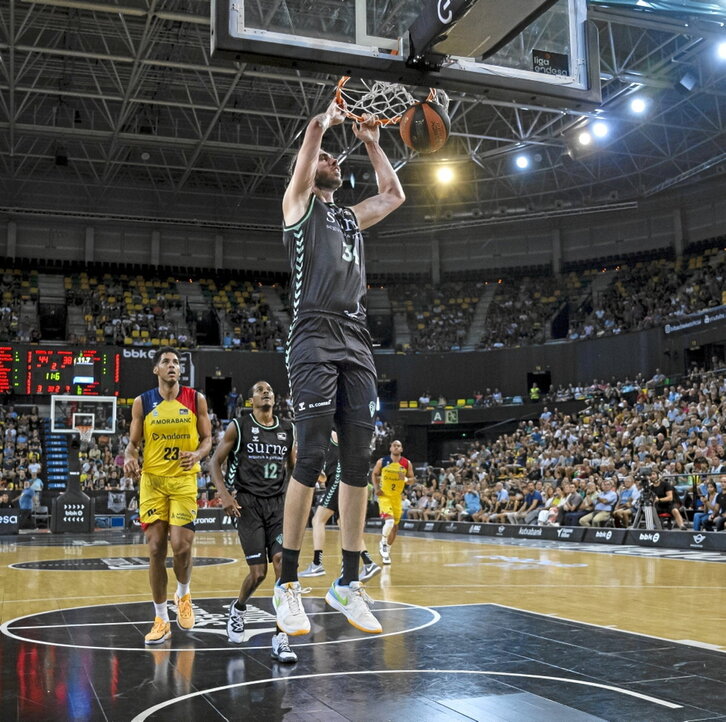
<point x="392" y="484"/>
<point x="167" y="491"/>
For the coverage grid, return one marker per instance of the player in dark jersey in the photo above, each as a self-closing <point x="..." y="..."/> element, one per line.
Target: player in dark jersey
<point x="326" y="509"/>
<point x="329" y="356"/>
<point x="260" y="452"/>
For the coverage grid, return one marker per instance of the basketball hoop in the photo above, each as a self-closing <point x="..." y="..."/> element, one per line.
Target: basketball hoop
<point x="85" y="432"/>
<point x="386" y="101"/>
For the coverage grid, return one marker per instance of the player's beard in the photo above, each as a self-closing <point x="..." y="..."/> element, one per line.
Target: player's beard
<point x="328" y="181"/>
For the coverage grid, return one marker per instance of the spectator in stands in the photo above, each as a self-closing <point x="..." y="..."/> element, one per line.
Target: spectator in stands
<point x="472" y="504"/>
<point x="552" y="499"/>
<point x="433" y="511"/>
<point x="530" y="508"/>
<point x="603" y="506"/>
<point x="570" y="511"/>
<point x="627" y="501"/>
<point x="719" y="516"/>
<point x="419" y="503"/>
<point x="704" y="519"/>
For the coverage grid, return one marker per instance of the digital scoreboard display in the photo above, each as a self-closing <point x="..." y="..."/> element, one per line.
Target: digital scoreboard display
<point x="83" y="372"/>
<point x="41" y="370"/>
<point x="11" y="375"/>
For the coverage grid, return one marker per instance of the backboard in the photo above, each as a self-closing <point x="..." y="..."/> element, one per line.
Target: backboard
<point x="67" y="412"/>
<point x="553" y="62"/>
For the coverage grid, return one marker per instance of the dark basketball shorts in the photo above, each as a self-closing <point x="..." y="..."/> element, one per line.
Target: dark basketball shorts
<point x="260" y="526"/>
<point x="330" y="498"/>
<point x="331" y="370"/>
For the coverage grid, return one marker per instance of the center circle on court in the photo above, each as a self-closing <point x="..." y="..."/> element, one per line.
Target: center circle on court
<point x="121" y="627"/>
<point x="110" y="564"/>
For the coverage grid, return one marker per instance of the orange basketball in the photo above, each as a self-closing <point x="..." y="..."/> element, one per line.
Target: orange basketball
<point x="425" y="127"/>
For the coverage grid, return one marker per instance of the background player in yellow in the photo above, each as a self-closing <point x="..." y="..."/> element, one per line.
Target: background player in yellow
<point x="391" y="475"/>
<point x="173" y="423"/>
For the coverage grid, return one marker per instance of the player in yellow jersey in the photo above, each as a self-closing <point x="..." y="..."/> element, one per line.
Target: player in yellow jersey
<point x="173" y="423"/>
<point x="391" y="475"/>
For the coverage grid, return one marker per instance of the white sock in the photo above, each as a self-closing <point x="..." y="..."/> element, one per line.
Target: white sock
<point x="182" y="589"/>
<point x="162" y="611"/>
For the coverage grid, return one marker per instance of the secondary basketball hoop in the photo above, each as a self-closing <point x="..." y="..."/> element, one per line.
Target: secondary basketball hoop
<point x="386" y="101"/>
<point x="83" y="424"/>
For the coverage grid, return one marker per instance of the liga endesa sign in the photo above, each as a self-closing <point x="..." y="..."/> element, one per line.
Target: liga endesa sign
<point x="9" y="521"/>
<point x="696" y="320"/>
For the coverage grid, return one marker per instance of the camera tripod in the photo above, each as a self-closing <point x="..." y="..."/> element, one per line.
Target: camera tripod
<point x="646" y="512"/>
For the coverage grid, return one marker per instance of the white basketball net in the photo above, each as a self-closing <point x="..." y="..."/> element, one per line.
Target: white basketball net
<point x="387" y="101"/>
<point x="85" y="432"/>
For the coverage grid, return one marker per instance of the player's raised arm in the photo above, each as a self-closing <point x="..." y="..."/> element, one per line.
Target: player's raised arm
<point x="390" y="193"/>
<point x="221" y="453"/>
<point x="297" y="194"/>
<point x="136" y="436"/>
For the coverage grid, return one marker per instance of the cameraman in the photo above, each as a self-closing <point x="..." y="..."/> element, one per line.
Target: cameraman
<point x="664" y="498"/>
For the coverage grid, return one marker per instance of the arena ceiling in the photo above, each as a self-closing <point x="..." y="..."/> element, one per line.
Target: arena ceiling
<point x="115" y="108"/>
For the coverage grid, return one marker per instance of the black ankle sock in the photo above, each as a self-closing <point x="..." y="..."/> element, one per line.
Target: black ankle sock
<point x="350" y="567"/>
<point x="241" y="607"/>
<point x="318" y="556"/>
<point x="288" y="568"/>
<point x="365" y="556"/>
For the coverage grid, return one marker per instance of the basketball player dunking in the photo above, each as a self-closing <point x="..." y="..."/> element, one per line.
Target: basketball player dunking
<point x="329" y="357"/>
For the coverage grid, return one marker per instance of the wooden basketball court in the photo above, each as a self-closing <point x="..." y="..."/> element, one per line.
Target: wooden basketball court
<point x="473" y="629"/>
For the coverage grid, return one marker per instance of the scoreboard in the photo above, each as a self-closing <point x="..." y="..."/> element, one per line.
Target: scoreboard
<point x="43" y="370"/>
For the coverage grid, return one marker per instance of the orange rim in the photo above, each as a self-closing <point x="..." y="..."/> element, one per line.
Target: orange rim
<point x="340" y="100"/>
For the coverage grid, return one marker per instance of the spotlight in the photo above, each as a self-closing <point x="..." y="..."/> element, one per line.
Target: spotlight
<point x="444" y="174"/>
<point x="522" y="161"/>
<point x="721" y="50"/>
<point x="600" y="129"/>
<point x="638" y="105"/>
<point x="584" y="138"/>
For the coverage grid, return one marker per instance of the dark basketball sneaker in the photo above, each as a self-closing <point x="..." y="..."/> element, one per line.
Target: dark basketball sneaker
<point x="281" y="649"/>
<point x="313" y="570"/>
<point x="369" y="571"/>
